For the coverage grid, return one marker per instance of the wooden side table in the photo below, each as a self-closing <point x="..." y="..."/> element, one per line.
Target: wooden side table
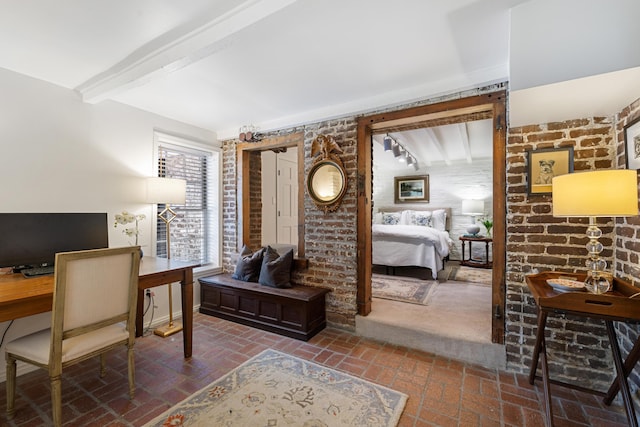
<point x="621" y="304"/>
<point x="486" y="263"/>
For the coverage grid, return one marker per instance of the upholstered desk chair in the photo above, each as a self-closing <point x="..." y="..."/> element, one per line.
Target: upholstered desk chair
<point x="94" y="310"/>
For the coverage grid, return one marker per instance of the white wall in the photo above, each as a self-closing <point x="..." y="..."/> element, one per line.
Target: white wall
<point x="448" y="186"/>
<point x="597" y="36"/>
<point x="58" y="154"/>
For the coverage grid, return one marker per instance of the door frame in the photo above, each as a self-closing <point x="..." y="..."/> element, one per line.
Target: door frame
<point x="243" y="184"/>
<point x="491" y="105"/>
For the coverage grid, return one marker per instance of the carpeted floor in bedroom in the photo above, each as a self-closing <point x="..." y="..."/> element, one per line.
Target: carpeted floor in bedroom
<point x="455" y="323"/>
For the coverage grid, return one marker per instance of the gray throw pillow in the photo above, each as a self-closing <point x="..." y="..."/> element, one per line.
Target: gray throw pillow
<point x="276" y="269"/>
<point x="248" y="265"/>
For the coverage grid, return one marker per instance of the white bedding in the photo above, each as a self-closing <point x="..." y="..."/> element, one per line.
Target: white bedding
<point x="410" y="245"/>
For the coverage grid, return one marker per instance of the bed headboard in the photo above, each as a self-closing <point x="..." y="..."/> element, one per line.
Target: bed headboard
<point x="417" y="208"/>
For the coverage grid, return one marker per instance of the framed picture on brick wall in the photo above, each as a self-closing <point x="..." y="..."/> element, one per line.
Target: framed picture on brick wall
<point x="632" y="143"/>
<point x="544" y="164"/>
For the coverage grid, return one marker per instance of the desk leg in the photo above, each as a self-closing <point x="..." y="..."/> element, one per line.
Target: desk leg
<point x="540" y="351"/>
<point x="629" y="364"/>
<point x="139" y="312"/>
<point x="621" y="377"/>
<point x="186" y="287"/>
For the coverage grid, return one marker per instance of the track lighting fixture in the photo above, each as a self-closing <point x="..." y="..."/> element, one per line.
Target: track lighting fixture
<point x="387" y="142"/>
<point x="399" y="151"/>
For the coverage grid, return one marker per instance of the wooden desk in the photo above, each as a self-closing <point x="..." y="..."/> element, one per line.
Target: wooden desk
<point x="615" y="305"/>
<point x="20" y="297"/>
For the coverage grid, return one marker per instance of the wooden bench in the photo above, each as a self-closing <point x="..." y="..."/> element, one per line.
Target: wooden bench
<point x="297" y="312"/>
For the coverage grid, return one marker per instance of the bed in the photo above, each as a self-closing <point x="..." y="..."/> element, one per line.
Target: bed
<point x="406" y="237"/>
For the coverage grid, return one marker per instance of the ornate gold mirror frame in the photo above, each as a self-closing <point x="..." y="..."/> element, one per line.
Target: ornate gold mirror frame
<point x="327" y="179"/>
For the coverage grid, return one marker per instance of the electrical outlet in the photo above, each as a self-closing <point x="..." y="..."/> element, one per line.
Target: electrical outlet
<point x="147" y="292"/>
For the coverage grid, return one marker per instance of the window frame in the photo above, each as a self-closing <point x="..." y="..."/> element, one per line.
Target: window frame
<point x="161" y="138"/>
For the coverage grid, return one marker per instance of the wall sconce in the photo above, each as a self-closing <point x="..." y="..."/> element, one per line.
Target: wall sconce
<point x="612" y="193"/>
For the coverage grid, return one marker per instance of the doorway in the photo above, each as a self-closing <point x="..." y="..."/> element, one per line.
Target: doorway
<point x="280" y="197"/>
<point x="249" y="200"/>
<point x="493" y="106"/>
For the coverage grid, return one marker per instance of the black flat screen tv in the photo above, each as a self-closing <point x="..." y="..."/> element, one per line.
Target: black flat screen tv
<point x="33" y="239"/>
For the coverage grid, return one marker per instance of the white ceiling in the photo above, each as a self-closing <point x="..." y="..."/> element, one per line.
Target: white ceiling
<point x="441" y="145"/>
<point x="271" y="63"/>
<point x="223" y="64"/>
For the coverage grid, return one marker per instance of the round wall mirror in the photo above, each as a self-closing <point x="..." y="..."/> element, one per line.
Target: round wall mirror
<point x="326" y="184"/>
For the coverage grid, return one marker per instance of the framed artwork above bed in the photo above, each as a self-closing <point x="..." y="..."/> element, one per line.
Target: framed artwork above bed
<point x="411" y="189"/>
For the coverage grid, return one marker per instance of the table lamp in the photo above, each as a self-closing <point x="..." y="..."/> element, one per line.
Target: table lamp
<point x="473" y="208"/>
<point x="167" y="191"/>
<point x="592" y="194"/>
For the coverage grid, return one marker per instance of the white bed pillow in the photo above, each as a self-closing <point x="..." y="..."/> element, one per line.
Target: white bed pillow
<point x="405" y="217"/>
<point x="439" y="219"/>
<point x="377" y="218"/>
<point x="422" y="218"/>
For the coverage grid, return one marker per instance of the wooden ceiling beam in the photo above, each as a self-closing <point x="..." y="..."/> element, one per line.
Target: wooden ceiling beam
<point x="177" y="49"/>
<point x="464" y="139"/>
<point x="431" y="136"/>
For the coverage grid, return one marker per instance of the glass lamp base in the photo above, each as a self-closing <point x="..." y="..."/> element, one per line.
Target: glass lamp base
<point x="473" y="229"/>
<point x="597" y="284"/>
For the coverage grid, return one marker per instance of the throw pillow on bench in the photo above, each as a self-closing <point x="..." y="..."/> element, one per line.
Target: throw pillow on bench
<point x="265" y="266"/>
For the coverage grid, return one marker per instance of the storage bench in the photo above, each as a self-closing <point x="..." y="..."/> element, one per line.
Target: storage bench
<point x="297" y="312"/>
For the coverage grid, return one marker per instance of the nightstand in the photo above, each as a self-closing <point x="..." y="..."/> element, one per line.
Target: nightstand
<point x="470" y="262"/>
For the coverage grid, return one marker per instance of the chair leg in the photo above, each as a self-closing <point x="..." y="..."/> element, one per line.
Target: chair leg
<point x="11" y="386"/>
<point x="132" y="371"/>
<point x="103" y="364"/>
<point x="56" y="400"/>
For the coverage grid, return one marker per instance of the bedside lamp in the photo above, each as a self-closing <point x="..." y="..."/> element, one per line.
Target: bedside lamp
<point x="611" y="193"/>
<point x="167" y="191"/>
<point x="473" y="208"/>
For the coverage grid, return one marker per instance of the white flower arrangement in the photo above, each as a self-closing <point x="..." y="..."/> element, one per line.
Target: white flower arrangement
<point x="127" y="218"/>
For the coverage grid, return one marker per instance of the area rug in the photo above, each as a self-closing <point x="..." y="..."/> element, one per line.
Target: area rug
<point x="481" y="276"/>
<point x="276" y="389"/>
<point x="404" y="289"/>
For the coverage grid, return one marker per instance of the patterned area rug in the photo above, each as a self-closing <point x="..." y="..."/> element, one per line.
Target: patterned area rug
<point x="275" y="389"/>
<point x="463" y="273"/>
<point x="405" y="289"/>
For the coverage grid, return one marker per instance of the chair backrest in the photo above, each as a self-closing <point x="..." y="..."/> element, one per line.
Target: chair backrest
<point x="94" y="289"/>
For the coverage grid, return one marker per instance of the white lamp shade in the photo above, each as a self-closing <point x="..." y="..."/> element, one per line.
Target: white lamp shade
<point x="596" y="193"/>
<point x="472" y="207"/>
<point x="166" y="190"/>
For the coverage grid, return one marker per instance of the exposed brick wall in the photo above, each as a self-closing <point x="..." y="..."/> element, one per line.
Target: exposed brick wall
<point x="331" y="238"/>
<point x="627" y="247"/>
<point x="229" y="205"/>
<point x="538" y="241"/>
<point x="255" y="200"/>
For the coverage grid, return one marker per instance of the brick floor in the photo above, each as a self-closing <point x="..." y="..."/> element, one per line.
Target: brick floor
<point x="442" y="392"/>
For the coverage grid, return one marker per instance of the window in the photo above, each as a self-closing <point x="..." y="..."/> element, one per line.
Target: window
<point x="195" y="231"/>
